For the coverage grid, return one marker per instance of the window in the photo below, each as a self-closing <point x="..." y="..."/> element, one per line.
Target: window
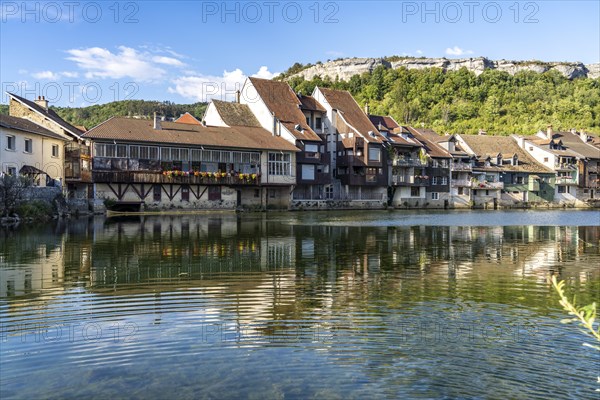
<point x="562" y="189"/>
<point x="121" y="151"/>
<point x="256" y="193"/>
<point x="214" y="192"/>
<point x="435" y="196"/>
<point x="460" y="190"/>
<point x="374" y="153"/>
<point x="55" y="150"/>
<point x="311" y="148"/>
<point x="487" y="192"/>
<point x="279" y="164"/>
<point x="474" y="192"/>
<point x="157" y="192"/>
<point x="10" y="143"/>
<point x="415" y="191"/>
<point x="519" y="180"/>
<point x="318" y="123"/>
<point x="435" y="180"/>
<point x="530" y="148"/>
<point x="444" y="180"/>
<point x="185" y="193"/>
<point x="11" y="171"/>
<point x="308" y="172"/>
<point x="28" y="146"/>
<point x="545" y="159"/>
<point x="308" y="121"/>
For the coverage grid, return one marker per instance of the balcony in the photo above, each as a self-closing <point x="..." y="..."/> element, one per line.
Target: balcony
<point x="566" y="180"/>
<point x="162" y="178"/>
<point x="321" y="178"/>
<point x="364" y="180"/>
<point x="487" y="185"/>
<point x="351" y="161"/>
<point x="565" y="167"/>
<point x="408" y="162"/>
<point x="409" y="180"/>
<point x="460" y="166"/>
<point x="461" y="183"/>
<point x="592" y="169"/>
<point x="304" y="157"/>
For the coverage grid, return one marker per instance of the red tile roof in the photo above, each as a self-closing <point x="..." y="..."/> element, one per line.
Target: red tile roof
<point x="25" y="125"/>
<point x="281" y="100"/>
<point x="309" y="103"/>
<point x="141" y="130"/>
<point x="428" y="139"/>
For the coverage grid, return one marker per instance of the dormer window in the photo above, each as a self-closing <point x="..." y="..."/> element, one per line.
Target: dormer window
<point x="515" y="160"/>
<point x="499" y="160"/>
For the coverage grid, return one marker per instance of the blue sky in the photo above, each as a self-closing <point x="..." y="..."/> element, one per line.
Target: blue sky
<point x="81" y="53"/>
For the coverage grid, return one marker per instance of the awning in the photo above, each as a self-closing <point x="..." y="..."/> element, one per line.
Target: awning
<point x="29" y="170"/>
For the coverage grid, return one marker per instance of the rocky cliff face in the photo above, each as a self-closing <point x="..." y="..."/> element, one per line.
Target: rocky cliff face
<point x="344" y="69"/>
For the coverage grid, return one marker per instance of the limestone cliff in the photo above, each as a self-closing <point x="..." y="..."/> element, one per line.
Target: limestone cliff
<point x="344" y="69"/>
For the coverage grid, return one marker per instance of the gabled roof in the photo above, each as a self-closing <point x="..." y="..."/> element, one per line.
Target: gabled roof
<point x="173" y="133"/>
<point x="188" y="118"/>
<point x="573" y="142"/>
<point x="352" y="113"/>
<point x="235" y="114"/>
<point x="50" y="114"/>
<point x="25" y="125"/>
<point x="281" y="100"/>
<point x="384" y="123"/>
<point x="492" y="146"/>
<point x="428" y="139"/>
<point x="309" y="103"/>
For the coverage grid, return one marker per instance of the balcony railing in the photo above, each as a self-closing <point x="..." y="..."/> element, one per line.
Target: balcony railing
<point x="487" y="185"/>
<point x="592" y="169"/>
<point x="159" y="177"/>
<point x="321" y="178"/>
<point x="350" y="161"/>
<point x="461" y="182"/>
<point x="409" y="180"/>
<point x="565" y="167"/>
<point x="367" y="180"/>
<point x="566" y="180"/>
<point x="408" y="162"/>
<point x="460" y="166"/>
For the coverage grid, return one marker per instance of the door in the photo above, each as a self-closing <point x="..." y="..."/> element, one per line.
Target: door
<point x="239" y="198"/>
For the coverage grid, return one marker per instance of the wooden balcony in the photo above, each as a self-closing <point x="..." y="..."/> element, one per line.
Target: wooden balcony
<point x="159" y="177"/>
<point x="363" y="180"/>
<point x="304" y="157"/>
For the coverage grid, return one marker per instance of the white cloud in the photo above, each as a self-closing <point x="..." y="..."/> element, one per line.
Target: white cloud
<point x="49" y="75"/>
<point x="128" y="63"/>
<point x="167" y="61"/>
<point x="457" y="51"/>
<point x="68" y="74"/>
<point x="201" y="87"/>
<point x="419" y="52"/>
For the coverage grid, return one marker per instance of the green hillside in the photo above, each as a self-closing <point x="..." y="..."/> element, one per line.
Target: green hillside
<point x="462" y="102"/>
<point x="93" y="115"/>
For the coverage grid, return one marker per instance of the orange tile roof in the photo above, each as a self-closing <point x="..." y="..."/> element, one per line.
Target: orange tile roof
<point x="141" y="130"/>
<point x="188" y="118"/>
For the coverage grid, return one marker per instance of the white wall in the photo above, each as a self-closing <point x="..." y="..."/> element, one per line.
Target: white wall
<point x="212" y="116"/>
<point x="40" y="157"/>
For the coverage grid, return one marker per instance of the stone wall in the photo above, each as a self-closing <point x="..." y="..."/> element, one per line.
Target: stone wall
<point x="299" y="205"/>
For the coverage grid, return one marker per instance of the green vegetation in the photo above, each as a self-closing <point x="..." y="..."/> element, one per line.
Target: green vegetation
<point x="11" y="192"/>
<point x="96" y="114"/>
<point x="462" y="102"/>
<point x="36" y="210"/>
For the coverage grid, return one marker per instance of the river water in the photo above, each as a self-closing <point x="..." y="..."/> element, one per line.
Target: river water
<point x="378" y="304"/>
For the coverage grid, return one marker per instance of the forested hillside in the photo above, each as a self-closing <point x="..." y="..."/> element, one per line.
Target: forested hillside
<point x="462" y="102"/>
<point x="93" y="115"/>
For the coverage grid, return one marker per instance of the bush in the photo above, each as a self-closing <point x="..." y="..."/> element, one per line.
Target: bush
<point x="36" y="210"/>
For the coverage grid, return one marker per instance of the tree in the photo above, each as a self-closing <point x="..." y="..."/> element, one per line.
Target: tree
<point x="11" y="192"/>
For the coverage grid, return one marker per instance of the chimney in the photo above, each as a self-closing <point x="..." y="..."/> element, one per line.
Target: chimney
<point x="367" y="108"/>
<point x="42" y="102"/>
<point x="549" y="132"/>
<point x="157" y="124"/>
<point x="583" y="136"/>
<point x="237" y="96"/>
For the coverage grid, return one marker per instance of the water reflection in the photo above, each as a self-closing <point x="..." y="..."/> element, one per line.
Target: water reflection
<point x="362" y="306"/>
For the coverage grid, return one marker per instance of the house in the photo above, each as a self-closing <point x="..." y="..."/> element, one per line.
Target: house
<point x="165" y="165"/>
<point x="77" y="161"/>
<point x="29" y="149"/>
<point x="461" y="170"/>
<point x="574" y="160"/>
<point x="408" y="161"/>
<point x="299" y="120"/>
<point x="523" y="180"/>
<point x="358" y="151"/>
<point x="436" y="174"/>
